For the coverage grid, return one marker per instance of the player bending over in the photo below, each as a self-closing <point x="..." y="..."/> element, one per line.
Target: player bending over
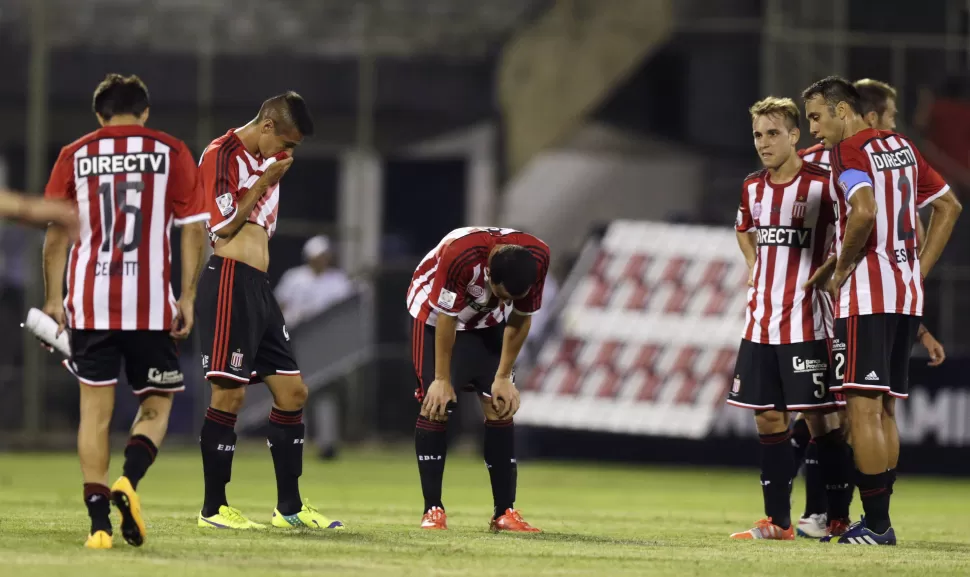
<point x="877" y="282"/>
<point x="130" y="183"/>
<point x="878" y="102"/>
<point x="471" y="299"/>
<point x="241" y="327"/>
<point x="784" y="227"/>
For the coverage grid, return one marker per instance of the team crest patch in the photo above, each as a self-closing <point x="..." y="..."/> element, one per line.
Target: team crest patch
<point x="736" y="387"/>
<point x="235" y="361"/>
<point x="798" y="210"/>
<point x="756" y="210"/>
<point x="476" y="291"/>
<point x="224" y="203"/>
<point x="446" y="299"/>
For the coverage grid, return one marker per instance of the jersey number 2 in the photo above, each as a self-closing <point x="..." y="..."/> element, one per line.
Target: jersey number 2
<point x="904" y="227"/>
<point x="108" y="211"/>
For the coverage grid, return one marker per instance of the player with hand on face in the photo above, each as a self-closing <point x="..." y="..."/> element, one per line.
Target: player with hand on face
<point x="472" y="298"/>
<point x="241" y="326"/>
<point x="877" y="282"/>
<point x="784" y="227"/>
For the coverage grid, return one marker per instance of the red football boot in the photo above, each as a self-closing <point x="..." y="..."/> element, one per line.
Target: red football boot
<point x="435" y="518"/>
<point x="512" y="521"/>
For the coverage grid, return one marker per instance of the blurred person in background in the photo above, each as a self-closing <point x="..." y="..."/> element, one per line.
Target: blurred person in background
<point x="131" y="184"/>
<point x="784" y="228"/>
<point x="472" y="298"/>
<point x="37" y="211"/>
<point x="878" y="101"/>
<point x="943" y="118"/>
<point x="241" y="327"/>
<point x="877" y="281"/>
<point x="307" y="290"/>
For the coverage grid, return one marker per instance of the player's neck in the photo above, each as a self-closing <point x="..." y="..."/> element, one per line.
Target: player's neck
<point x="249" y="136"/>
<point x="787" y="171"/>
<point x="124" y="120"/>
<point x="854" y="126"/>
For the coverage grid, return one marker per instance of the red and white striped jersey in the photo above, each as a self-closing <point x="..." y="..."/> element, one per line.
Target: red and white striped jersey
<point x="131" y="184"/>
<point x="816" y="155"/>
<point x="228" y="171"/>
<point x="452" y="279"/>
<point x="887" y="279"/>
<point x="794" y="223"/>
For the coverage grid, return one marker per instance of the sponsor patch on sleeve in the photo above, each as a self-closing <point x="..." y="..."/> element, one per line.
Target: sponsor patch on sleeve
<point x="446" y="299"/>
<point x="224" y="203"/>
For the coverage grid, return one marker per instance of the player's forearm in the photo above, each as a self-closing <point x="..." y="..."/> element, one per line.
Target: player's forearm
<point x="444" y="344"/>
<point x="858" y="227"/>
<point x="55" y="261"/>
<point x="244" y="207"/>
<point x="12" y="205"/>
<point x="193" y="252"/>
<point x="946" y="210"/>
<point x="516" y="331"/>
<point x="749" y="248"/>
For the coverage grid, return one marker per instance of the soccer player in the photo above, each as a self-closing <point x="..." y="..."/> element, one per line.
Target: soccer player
<point x="130" y="184"/>
<point x="877" y="282"/>
<point x="241" y="327"/>
<point x="878" y="102"/>
<point x="471" y="298"/>
<point x="784" y="228"/>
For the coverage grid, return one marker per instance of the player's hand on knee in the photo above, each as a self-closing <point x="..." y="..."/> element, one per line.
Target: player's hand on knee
<point x="435" y="405"/>
<point x="505" y="397"/>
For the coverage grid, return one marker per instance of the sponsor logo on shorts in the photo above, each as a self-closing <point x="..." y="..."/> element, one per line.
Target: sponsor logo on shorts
<point x="446" y="299"/>
<point x="872" y="376"/>
<point x="205" y="361"/>
<point x="286" y="335"/>
<point x="736" y="387"/>
<point x="838" y="345"/>
<point x="158" y="377"/>
<point x="224" y="204"/>
<point x="236" y="360"/>
<point x="800" y="365"/>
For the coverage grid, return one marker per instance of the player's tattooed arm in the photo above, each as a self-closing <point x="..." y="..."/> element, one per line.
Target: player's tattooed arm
<point x="749" y="247"/>
<point x="858" y="227"/>
<point x="946" y="210"/>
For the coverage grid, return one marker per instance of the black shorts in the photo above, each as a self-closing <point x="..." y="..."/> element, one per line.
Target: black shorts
<point x="474" y="359"/>
<point x="151" y="360"/>
<point x="240" y="324"/>
<point x="794" y="377"/>
<point x="871" y="353"/>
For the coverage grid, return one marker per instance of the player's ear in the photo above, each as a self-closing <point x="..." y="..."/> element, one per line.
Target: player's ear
<point x="872" y="119"/>
<point x="793" y="135"/>
<point x="841" y="110"/>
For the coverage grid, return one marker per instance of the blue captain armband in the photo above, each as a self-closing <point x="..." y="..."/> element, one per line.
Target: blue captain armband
<point x="852" y="180"/>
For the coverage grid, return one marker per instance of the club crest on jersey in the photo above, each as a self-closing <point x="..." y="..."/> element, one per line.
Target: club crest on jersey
<point x="476" y="291"/>
<point x="798" y="209"/>
<point x="756" y="210"/>
<point x="224" y="203"/>
<point x="236" y="360"/>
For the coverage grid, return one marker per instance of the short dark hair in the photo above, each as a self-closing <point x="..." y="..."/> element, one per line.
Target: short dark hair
<point x="514" y="268"/>
<point x="874" y="95"/>
<point x="289" y="109"/>
<point x="834" y="89"/>
<point x="118" y="94"/>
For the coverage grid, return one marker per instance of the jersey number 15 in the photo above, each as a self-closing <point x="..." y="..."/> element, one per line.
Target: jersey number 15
<point x="120" y="206"/>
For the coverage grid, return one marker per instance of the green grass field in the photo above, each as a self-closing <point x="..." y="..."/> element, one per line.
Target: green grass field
<point x="598" y="520"/>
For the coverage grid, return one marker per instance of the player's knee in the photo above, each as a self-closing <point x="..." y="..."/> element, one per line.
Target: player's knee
<point x="294" y="397"/>
<point x="770" y="422"/>
<point x="229" y="400"/>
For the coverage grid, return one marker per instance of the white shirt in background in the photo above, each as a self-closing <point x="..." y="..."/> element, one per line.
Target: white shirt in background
<point x="303" y="294"/>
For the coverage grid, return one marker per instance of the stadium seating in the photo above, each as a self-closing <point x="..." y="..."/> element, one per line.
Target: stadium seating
<point x="646" y="341"/>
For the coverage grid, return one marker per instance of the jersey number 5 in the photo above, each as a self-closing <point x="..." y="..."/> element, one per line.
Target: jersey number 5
<point x="109" y="209"/>
<point x="904" y="227"/>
